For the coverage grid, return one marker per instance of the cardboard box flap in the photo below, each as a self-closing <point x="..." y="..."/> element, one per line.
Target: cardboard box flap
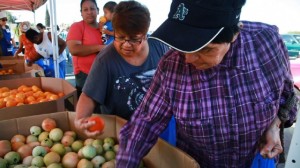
<point x="8" y="129"/>
<point x="15" y="83"/>
<point x="22" y="111"/>
<point x="7" y="65"/>
<point x="60" y="85"/>
<point x="22" y="125"/>
<point x="11" y="58"/>
<point x="177" y="159"/>
<point x="120" y="124"/>
<point x="20" y="68"/>
<point x="68" y="88"/>
<point x="18" y="65"/>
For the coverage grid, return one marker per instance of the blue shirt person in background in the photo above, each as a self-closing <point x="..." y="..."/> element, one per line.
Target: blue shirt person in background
<point x="107" y="28"/>
<point x="6" y="41"/>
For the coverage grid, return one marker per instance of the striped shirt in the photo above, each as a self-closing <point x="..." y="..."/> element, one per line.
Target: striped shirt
<point x="221" y="112"/>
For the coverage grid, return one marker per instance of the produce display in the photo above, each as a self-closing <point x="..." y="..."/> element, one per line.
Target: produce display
<point x="49" y="146"/>
<point x="6" y="71"/>
<point x="25" y="95"/>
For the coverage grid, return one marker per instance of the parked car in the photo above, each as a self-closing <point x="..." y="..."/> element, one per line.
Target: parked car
<point x="297" y="36"/>
<point x="292" y="42"/>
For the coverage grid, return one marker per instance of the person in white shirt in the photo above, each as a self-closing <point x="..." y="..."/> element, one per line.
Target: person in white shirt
<point x="43" y="45"/>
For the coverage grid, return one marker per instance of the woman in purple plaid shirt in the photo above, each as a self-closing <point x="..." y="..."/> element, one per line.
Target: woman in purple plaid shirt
<point x="224" y="81"/>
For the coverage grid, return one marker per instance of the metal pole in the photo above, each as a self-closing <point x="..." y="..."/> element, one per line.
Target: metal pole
<point x="34" y="18"/>
<point x="53" y="25"/>
<point x="293" y="158"/>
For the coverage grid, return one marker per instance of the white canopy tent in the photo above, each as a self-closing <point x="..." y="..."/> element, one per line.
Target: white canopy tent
<point x="32" y="5"/>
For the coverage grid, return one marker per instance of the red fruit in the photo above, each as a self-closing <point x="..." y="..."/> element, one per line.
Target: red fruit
<point x="18" y="138"/>
<point x="24" y="151"/>
<point x="16" y="145"/>
<point x="5" y="147"/>
<point x="34" y="144"/>
<point x="48" y="124"/>
<point x="99" y="124"/>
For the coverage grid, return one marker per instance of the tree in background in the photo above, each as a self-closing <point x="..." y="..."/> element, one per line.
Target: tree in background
<point x="11" y="18"/>
<point x="294" y="32"/>
<point x="47" y="18"/>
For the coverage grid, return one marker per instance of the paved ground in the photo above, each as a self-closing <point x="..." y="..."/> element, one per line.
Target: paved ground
<point x="69" y="73"/>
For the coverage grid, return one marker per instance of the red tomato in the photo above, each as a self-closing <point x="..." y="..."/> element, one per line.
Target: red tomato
<point x="99" y="124"/>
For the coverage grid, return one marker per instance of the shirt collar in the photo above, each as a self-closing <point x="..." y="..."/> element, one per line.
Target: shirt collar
<point x="235" y="57"/>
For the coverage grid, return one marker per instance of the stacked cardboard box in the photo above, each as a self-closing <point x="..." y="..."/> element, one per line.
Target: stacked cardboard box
<point x="67" y="102"/>
<point x="162" y="155"/>
<point x="20" y="69"/>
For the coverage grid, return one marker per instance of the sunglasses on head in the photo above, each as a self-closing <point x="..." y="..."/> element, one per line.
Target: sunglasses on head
<point x="4" y="19"/>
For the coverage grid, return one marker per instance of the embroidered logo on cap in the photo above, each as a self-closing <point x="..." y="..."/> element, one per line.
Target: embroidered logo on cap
<point x="181" y="12"/>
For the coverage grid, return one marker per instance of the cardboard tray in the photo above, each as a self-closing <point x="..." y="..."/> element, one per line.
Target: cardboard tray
<point x="162" y="155"/>
<point x="21" y="70"/>
<point x="67" y="102"/>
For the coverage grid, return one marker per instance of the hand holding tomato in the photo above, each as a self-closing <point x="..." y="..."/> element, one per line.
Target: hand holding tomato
<point x="99" y="124"/>
<point x="90" y="126"/>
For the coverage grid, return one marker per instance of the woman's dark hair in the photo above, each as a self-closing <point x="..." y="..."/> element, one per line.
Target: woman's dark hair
<point x="30" y="34"/>
<point x="94" y="1"/>
<point x="41" y="25"/>
<point x="226" y="34"/>
<point x="131" y="17"/>
<point x="110" y="6"/>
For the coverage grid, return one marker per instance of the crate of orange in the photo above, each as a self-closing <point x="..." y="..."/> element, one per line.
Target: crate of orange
<point x="15" y="68"/>
<point x="32" y="96"/>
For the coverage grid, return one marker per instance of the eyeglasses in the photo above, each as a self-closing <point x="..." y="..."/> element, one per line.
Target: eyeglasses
<point x="4" y="19"/>
<point x="130" y="41"/>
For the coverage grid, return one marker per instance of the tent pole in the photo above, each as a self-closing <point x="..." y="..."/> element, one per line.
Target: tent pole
<point x="54" y="36"/>
<point x="34" y="17"/>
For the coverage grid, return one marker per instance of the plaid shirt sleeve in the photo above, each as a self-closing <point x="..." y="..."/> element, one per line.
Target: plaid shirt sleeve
<point x="288" y="88"/>
<point x="152" y="116"/>
<point x="280" y="59"/>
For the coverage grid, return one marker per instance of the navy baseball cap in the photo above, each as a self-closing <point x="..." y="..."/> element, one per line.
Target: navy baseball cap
<point x="192" y="24"/>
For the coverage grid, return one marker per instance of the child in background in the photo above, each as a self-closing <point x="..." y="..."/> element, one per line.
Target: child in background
<point x="105" y="24"/>
<point x="102" y="21"/>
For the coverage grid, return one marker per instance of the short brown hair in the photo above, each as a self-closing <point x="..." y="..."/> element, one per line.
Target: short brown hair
<point x="131" y="18"/>
<point x="94" y="1"/>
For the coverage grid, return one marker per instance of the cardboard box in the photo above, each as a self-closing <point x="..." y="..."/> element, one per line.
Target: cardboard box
<point x="67" y="102"/>
<point x="20" y="69"/>
<point x="162" y="155"/>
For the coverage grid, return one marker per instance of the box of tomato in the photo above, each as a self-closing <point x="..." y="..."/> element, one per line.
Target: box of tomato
<point x="162" y="154"/>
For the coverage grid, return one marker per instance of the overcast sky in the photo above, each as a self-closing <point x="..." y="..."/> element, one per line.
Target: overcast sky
<point x="283" y="13"/>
